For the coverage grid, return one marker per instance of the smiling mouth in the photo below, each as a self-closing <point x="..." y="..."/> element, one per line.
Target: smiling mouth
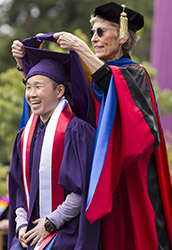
<point x="98" y="48"/>
<point x="35" y="103"/>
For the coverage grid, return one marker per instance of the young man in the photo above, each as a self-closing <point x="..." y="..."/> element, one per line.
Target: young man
<point x="49" y="172"/>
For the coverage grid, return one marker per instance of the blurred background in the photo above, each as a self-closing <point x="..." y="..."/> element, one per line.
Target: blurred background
<point x="20" y="19"/>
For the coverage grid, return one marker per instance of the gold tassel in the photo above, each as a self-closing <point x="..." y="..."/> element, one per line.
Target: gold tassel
<point x="123" y="23"/>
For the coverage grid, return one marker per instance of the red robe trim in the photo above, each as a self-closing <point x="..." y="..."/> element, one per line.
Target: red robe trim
<point x="123" y="182"/>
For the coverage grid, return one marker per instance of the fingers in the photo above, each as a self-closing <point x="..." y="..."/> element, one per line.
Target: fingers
<point x="57" y="35"/>
<point x="21" y="237"/>
<point x="65" y="40"/>
<point x="60" y="36"/>
<point x="31" y="235"/>
<point x="24" y="245"/>
<point x="18" y="50"/>
<point x="36" y="221"/>
<point x="38" y="233"/>
<point x="36" y="240"/>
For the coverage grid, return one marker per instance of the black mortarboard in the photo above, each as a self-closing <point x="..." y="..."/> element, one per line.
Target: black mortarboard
<point x="111" y="11"/>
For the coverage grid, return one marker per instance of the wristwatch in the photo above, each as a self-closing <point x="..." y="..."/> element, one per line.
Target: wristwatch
<point x="49" y="226"/>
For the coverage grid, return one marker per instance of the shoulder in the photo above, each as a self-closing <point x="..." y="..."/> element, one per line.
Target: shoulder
<point x="137" y="75"/>
<point x="18" y="137"/>
<point x="79" y="128"/>
<point x="77" y="123"/>
<point x="134" y="69"/>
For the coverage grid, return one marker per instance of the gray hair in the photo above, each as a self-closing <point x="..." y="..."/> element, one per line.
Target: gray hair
<point x="131" y="41"/>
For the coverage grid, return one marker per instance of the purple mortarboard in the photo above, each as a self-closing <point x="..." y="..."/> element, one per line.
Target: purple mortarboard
<point x="52" y="64"/>
<point x="111" y="11"/>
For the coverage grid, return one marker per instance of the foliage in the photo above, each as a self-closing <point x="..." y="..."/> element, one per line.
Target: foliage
<point x="168" y="136"/>
<point x="20" y="19"/>
<point x="11" y="98"/>
<point x="3" y="178"/>
<point x="164" y="100"/>
<point x="164" y="97"/>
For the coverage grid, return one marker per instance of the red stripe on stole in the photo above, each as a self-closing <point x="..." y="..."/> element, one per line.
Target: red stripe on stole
<point x="57" y="155"/>
<point x="22" y="139"/>
<point x="28" y="148"/>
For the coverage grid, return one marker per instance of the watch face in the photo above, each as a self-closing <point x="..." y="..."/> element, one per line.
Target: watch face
<point x="50" y="227"/>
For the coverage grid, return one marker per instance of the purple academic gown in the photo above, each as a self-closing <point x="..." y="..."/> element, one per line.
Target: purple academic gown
<point x="74" y="176"/>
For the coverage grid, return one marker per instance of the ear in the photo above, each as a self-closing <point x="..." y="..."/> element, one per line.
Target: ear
<point x="123" y="40"/>
<point x="60" y="90"/>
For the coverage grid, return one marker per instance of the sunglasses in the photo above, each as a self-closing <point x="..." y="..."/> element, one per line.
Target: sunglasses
<point x="99" y="31"/>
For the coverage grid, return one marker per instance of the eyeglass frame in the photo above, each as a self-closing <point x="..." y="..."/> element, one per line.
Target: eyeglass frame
<point x="99" y="31"/>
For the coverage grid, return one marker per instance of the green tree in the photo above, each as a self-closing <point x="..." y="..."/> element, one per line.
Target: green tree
<point x="26" y="18"/>
<point x="11" y="99"/>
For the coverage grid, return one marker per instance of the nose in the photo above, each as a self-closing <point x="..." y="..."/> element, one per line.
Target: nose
<point x="94" y="37"/>
<point x="32" y="92"/>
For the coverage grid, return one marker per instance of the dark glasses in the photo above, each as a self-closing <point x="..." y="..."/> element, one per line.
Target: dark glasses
<point x="99" y="31"/>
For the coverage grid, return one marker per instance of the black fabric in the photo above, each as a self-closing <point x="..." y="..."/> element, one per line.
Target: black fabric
<point x="154" y="195"/>
<point x="139" y="89"/>
<point x="111" y="11"/>
<point x="102" y="76"/>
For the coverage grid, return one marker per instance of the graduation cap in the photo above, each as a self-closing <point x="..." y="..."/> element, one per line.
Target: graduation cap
<point x="112" y="11"/>
<point x="52" y="64"/>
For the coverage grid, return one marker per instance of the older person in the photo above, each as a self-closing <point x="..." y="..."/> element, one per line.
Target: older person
<point x="130" y="174"/>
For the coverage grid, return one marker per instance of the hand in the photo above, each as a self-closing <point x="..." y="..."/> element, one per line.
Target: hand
<point x="68" y="41"/>
<point x="38" y="233"/>
<point x="21" y="234"/>
<point x="18" y="50"/>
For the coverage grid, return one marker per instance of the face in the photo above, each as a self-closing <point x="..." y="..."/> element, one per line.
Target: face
<point x="41" y="96"/>
<point x="108" y="47"/>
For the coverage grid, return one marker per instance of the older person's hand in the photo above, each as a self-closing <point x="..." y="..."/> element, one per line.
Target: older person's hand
<point x="18" y="50"/>
<point x="68" y="41"/>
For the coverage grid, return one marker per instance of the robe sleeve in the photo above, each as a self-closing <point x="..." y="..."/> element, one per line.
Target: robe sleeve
<point x="75" y="166"/>
<point x="136" y="84"/>
<point x="74" y="176"/>
<point x="16" y="192"/>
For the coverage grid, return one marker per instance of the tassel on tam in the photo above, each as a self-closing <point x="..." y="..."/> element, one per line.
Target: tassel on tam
<point x="123" y="23"/>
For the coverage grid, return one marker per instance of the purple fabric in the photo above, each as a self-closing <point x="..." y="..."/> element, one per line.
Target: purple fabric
<point x="83" y="105"/>
<point x="50" y="68"/>
<point x="74" y="176"/>
<point x="34" y="55"/>
<point x="161" y="54"/>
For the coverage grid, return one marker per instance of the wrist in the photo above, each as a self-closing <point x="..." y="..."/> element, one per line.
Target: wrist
<point x="18" y="67"/>
<point x="49" y="226"/>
